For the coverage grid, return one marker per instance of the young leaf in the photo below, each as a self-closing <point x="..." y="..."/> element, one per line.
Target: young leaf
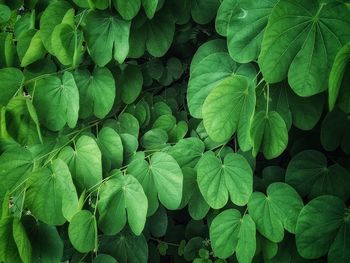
<point x="82" y="231"/>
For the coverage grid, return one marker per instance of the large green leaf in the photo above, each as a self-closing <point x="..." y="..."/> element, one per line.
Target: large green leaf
<point x="203" y="11"/>
<point x="21" y="239"/>
<point x="229" y="108"/>
<point x="97" y="92"/>
<point x="337" y="74"/>
<point x="122" y="197"/>
<point x="308" y="173"/>
<point x="208" y="74"/>
<point x="66" y="44"/>
<point x="51" y="17"/>
<point x="8" y="248"/>
<point x="107" y="37"/>
<point x="51" y="196"/>
<point x="301" y="40"/>
<point x="276" y="211"/>
<point x="57" y="101"/>
<point x="230" y="232"/>
<point x="11" y="80"/>
<point x="127" y="9"/>
<point x="82" y="231"/>
<point x="226" y="10"/>
<point x="218" y="180"/>
<point x="130" y="83"/>
<point x="269" y="134"/>
<point x="84" y="162"/>
<point x="321" y="225"/>
<point x="246" y="27"/>
<point x="30" y="47"/>
<point x="15" y="164"/>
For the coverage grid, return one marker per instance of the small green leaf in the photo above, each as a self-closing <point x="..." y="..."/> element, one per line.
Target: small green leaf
<point x="269" y="134"/>
<point x="21" y="239"/>
<point x="130" y="83"/>
<point x="30" y="47"/>
<point x="127" y="9"/>
<point x="82" y="231"/>
<point x="278" y="210"/>
<point x="11" y="80"/>
<point x="5" y="13"/>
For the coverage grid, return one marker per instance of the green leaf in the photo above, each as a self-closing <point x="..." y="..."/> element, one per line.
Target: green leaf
<point x="150" y="7"/>
<point x="158" y="222"/>
<point x="82" y="231"/>
<point x="8" y="248"/>
<point x="218" y="180"/>
<point x="229" y="108"/>
<point x="301" y="40"/>
<point x="57" y="101"/>
<point x="337" y="73"/>
<point x="121" y="197"/>
<point x="318" y="225"/>
<point x="111" y="147"/>
<point x="84" y="162"/>
<point x="11" y="80"/>
<point x="246" y="27"/>
<point x="203" y="11"/>
<point x="103" y="258"/>
<point x="127" y="9"/>
<point x="208" y="74"/>
<point x="168" y="179"/>
<point x="230" y="232"/>
<point x="7" y="49"/>
<point x="126" y="247"/>
<point x="154" y="139"/>
<point x="126" y="123"/>
<point x="15" y="165"/>
<point x="51" y="196"/>
<point x="66" y="44"/>
<point x="97" y="92"/>
<point x="269" y="134"/>
<point x="5" y="13"/>
<point x="30" y="47"/>
<point x="276" y="211"/>
<point x="225" y="12"/>
<point x="107" y="37"/>
<point x="308" y="173"/>
<point x="51" y="17"/>
<point x="130" y="83"/>
<point x="47" y="245"/>
<point x="21" y="239"/>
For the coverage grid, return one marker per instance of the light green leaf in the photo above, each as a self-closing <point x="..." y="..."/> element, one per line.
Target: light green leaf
<point x="168" y="179"/>
<point x="150" y="7"/>
<point x="269" y="134"/>
<point x="226" y="10"/>
<point x="30" y="47"/>
<point x="229" y="108"/>
<point x="308" y="173"/>
<point x="97" y="92"/>
<point x="218" y="180"/>
<point x="318" y="224"/>
<point x="11" y="80"/>
<point x="51" y="196"/>
<point x="337" y="73"/>
<point x="276" y="211"/>
<point x="130" y="83"/>
<point x="154" y="139"/>
<point x="301" y="40"/>
<point x="111" y="147"/>
<point x="8" y="248"/>
<point x="84" y="162"/>
<point x="82" y="231"/>
<point x="21" y="239"/>
<point x="7" y="49"/>
<point x="127" y="9"/>
<point x="5" y="13"/>
<point x="165" y="122"/>
<point x="121" y="197"/>
<point x="208" y="74"/>
<point x="57" y="101"/>
<point x="51" y="17"/>
<point x="107" y="36"/>
<point x="66" y="44"/>
<point x="126" y="123"/>
<point x="246" y="28"/>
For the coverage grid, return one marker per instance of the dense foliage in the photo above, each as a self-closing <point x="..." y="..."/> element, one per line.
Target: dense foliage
<point x="174" y="131"/>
